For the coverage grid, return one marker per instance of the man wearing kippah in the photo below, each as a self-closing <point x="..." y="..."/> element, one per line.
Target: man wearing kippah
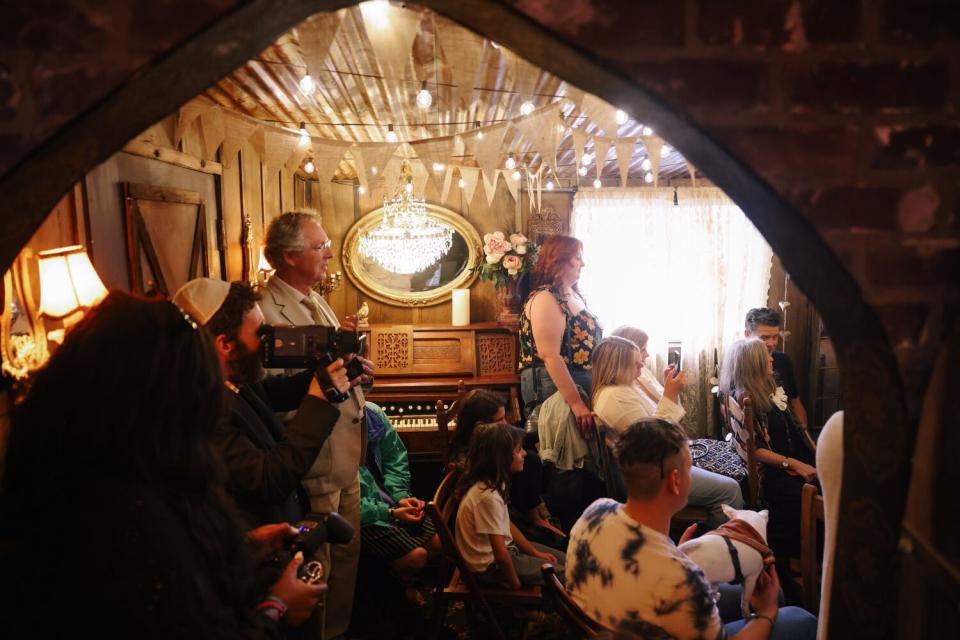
<point x="625" y="572"/>
<point x="265" y="461"/>
<point x="299" y="249"/>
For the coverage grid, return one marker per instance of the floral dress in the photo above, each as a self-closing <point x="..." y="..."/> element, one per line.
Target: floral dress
<point x="582" y="334"/>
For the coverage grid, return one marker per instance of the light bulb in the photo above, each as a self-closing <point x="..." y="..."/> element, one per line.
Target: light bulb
<point x="376" y="13"/>
<point x="587" y="159"/>
<point x="462" y="183"/>
<point x="648" y="177"/>
<point x="307" y="85"/>
<point x="665" y="150"/>
<point x="495" y="45"/>
<point x="408" y="187"/>
<point x="647" y="131"/>
<point x="304" y="136"/>
<point x="309" y="166"/>
<point x="511" y="163"/>
<point x="391" y="134"/>
<point x="583" y="170"/>
<point x="438" y="167"/>
<point x="361" y="190"/>
<point x="479" y="135"/>
<point x="373" y="170"/>
<point x="424" y="99"/>
<point x="549" y="185"/>
<point x="476" y="125"/>
<point x="622" y="116"/>
<point x="526" y="108"/>
<point x="515" y="175"/>
<point x="646" y="164"/>
<point x="597" y="184"/>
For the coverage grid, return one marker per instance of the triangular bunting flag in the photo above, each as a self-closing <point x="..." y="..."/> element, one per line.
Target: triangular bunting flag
<point x="185" y="117"/>
<point x="512" y="185"/>
<point x="434" y="151"/>
<point x="653" y="145"/>
<point x="490" y="187"/>
<point x="258" y="141"/>
<point x="370" y="159"/>
<point x="470" y="176"/>
<point x="327" y="155"/>
<point x="463" y="51"/>
<point x="624" y="147"/>
<point x="575" y="95"/>
<point x="391" y="176"/>
<point x="602" y="114"/>
<point x="540" y="130"/>
<point x="212" y="128"/>
<point x="579" y="143"/>
<point x="278" y="146"/>
<point x="489" y="150"/>
<point x="391" y="31"/>
<point x="447" y="181"/>
<point x="693" y="172"/>
<point x="236" y="132"/>
<point x="601" y="146"/>
<point x="316" y="34"/>
<point x="521" y="75"/>
<point x="294" y="161"/>
<point x="421" y="175"/>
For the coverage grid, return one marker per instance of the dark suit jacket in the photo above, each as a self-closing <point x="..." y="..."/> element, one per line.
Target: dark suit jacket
<point x="266" y="461"/>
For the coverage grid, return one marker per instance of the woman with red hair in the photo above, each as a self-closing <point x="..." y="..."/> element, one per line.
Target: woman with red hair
<point x="557" y="332"/>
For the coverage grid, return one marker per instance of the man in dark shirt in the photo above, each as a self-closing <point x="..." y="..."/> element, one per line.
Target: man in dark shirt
<point x="265" y="461"/>
<point x="764" y="323"/>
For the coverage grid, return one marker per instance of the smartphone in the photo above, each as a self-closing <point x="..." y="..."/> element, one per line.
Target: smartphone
<point x="674" y="354"/>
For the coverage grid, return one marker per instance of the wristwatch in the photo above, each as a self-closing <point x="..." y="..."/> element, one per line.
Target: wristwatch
<point x="784" y="463"/>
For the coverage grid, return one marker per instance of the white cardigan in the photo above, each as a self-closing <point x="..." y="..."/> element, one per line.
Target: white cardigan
<point x="619" y="406"/>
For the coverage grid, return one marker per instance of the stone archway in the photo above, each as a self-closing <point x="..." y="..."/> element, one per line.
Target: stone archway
<point x="879" y="438"/>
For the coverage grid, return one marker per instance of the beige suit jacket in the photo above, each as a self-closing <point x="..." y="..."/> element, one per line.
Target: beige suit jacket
<point x="339" y="460"/>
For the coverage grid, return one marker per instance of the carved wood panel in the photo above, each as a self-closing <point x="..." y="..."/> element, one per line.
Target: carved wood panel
<point x="496" y="353"/>
<point x="392" y="349"/>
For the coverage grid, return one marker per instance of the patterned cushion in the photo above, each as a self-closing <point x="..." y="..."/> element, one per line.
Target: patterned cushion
<point x="718" y="456"/>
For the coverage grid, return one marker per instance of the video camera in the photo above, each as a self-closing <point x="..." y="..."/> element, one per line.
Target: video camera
<point x="311" y="347"/>
<point x="313" y="530"/>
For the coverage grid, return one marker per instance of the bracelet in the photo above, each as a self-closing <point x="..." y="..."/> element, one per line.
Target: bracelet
<point x="274" y="603"/>
<point x="760" y="616"/>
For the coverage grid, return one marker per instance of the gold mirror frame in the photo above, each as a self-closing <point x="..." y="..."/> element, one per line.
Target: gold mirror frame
<point x="351" y="261"/>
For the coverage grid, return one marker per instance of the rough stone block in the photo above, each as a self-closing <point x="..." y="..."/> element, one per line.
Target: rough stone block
<point x="746" y="22"/>
<point x="902" y="266"/>
<point x="784" y="153"/>
<point x="852" y="207"/>
<point x="717" y="84"/>
<point x="918" y="146"/>
<point x="920" y="22"/>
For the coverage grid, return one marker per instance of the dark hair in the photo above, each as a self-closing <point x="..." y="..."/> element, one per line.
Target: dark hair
<point x="761" y="316"/>
<point x="477" y="405"/>
<point x="641" y="451"/>
<point x="130" y="400"/>
<point x="489" y="458"/>
<point x="228" y="318"/>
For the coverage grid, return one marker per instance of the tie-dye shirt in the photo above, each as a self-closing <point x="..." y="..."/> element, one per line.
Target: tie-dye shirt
<point x="634" y="579"/>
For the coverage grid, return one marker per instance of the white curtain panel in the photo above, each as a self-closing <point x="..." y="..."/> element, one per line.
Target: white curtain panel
<point x="686" y="271"/>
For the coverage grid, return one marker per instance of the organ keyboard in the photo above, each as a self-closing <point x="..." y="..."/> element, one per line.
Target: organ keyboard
<point x="419" y="365"/>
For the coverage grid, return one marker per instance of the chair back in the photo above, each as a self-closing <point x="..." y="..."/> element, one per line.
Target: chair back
<point x="740" y="420"/>
<point x="579" y="623"/>
<point x="444" y="416"/>
<point x="811" y="512"/>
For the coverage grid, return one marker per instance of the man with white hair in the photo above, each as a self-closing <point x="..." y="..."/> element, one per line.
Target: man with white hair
<point x="299" y="249"/>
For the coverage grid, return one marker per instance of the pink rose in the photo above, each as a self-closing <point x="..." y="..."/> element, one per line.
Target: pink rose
<point x="494" y="258"/>
<point x="512" y="264"/>
<point x="495" y="244"/>
<point x="518" y="238"/>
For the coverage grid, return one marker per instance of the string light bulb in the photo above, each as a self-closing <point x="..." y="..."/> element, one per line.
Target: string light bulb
<point x="479" y="130"/>
<point x="511" y="163"/>
<point x="304" y="136"/>
<point x="391" y="134"/>
<point x="424" y="99"/>
<point x="587" y="159"/>
<point x="665" y="150"/>
<point x="526" y="108"/>
<point x="361" y="189"/>
<point x="309" y="166"/>
<point x="376" y="13"/>
<point x="646" y="164"/>
<point x="374" y="170"/>
<point x="438" y="167"/>
<point x="307" y="85"/>
<point x="408" y="187"/>
<point x="647" y="131"/>
<point x="648" y="177"/>
<point x="597" y="184"/>
<point x="582" y="170"/>
<point x="462" y="183"/>
<point x="515" y="175"/>
<point x="549" y="185"/>
<point x="622" y="116"/>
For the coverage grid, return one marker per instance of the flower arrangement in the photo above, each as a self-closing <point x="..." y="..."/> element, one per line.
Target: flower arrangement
<point x="506" y="259"/>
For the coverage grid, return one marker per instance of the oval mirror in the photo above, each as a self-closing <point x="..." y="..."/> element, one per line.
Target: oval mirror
<point x="430" y="285"/>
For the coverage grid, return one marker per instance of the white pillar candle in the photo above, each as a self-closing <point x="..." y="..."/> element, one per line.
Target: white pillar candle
<point x="461" y="307"/>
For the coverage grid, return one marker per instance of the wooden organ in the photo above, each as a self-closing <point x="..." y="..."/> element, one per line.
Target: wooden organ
<point x="419" y="365"/>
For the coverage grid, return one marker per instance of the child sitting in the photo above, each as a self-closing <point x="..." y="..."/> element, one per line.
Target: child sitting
<point x="491" y="546"/>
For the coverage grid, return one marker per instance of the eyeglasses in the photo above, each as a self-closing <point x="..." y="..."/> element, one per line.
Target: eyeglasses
<point x="322" y="247"/>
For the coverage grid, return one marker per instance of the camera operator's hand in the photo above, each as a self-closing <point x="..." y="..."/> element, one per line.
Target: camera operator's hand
<point x="273" y="537"/>
<point x="349" y="323"/>
<point x="338" y="376"/>
<point x="411" y="515"/>
<point x="368" y="370"/>
<point x="301" y="598"/>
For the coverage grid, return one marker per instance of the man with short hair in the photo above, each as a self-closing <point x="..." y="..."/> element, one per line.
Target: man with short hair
<point x="299" y="249"/>
<point x="624" y="571"/>
<point x="764" y="323"/>
<point x="265" y="462"/>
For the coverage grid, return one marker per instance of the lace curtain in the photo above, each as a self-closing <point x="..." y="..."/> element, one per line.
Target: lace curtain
<point x="687" y="270"/>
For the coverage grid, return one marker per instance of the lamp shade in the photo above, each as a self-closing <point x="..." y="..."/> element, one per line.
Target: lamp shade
<point x="67" y="282"/>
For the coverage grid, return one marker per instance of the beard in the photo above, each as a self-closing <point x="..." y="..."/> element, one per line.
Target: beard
<point x="244" y="365"/>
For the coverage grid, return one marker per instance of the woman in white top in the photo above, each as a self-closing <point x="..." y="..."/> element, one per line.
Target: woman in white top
<point x="624" y="391"/>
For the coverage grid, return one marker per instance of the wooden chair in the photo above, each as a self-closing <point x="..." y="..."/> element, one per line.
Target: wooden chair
<point x="740" y="420"/>
<point x="455" y="581"/>
<point x="578" y="622"/>
<point x="444" y="417"/>
<point x="811" y="512"/>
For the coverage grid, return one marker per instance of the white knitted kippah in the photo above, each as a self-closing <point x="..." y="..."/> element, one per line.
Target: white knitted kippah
<point x="202" y="298"/>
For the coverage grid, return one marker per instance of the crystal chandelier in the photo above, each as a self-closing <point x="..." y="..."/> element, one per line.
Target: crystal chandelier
<point x="407" y="240"/>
